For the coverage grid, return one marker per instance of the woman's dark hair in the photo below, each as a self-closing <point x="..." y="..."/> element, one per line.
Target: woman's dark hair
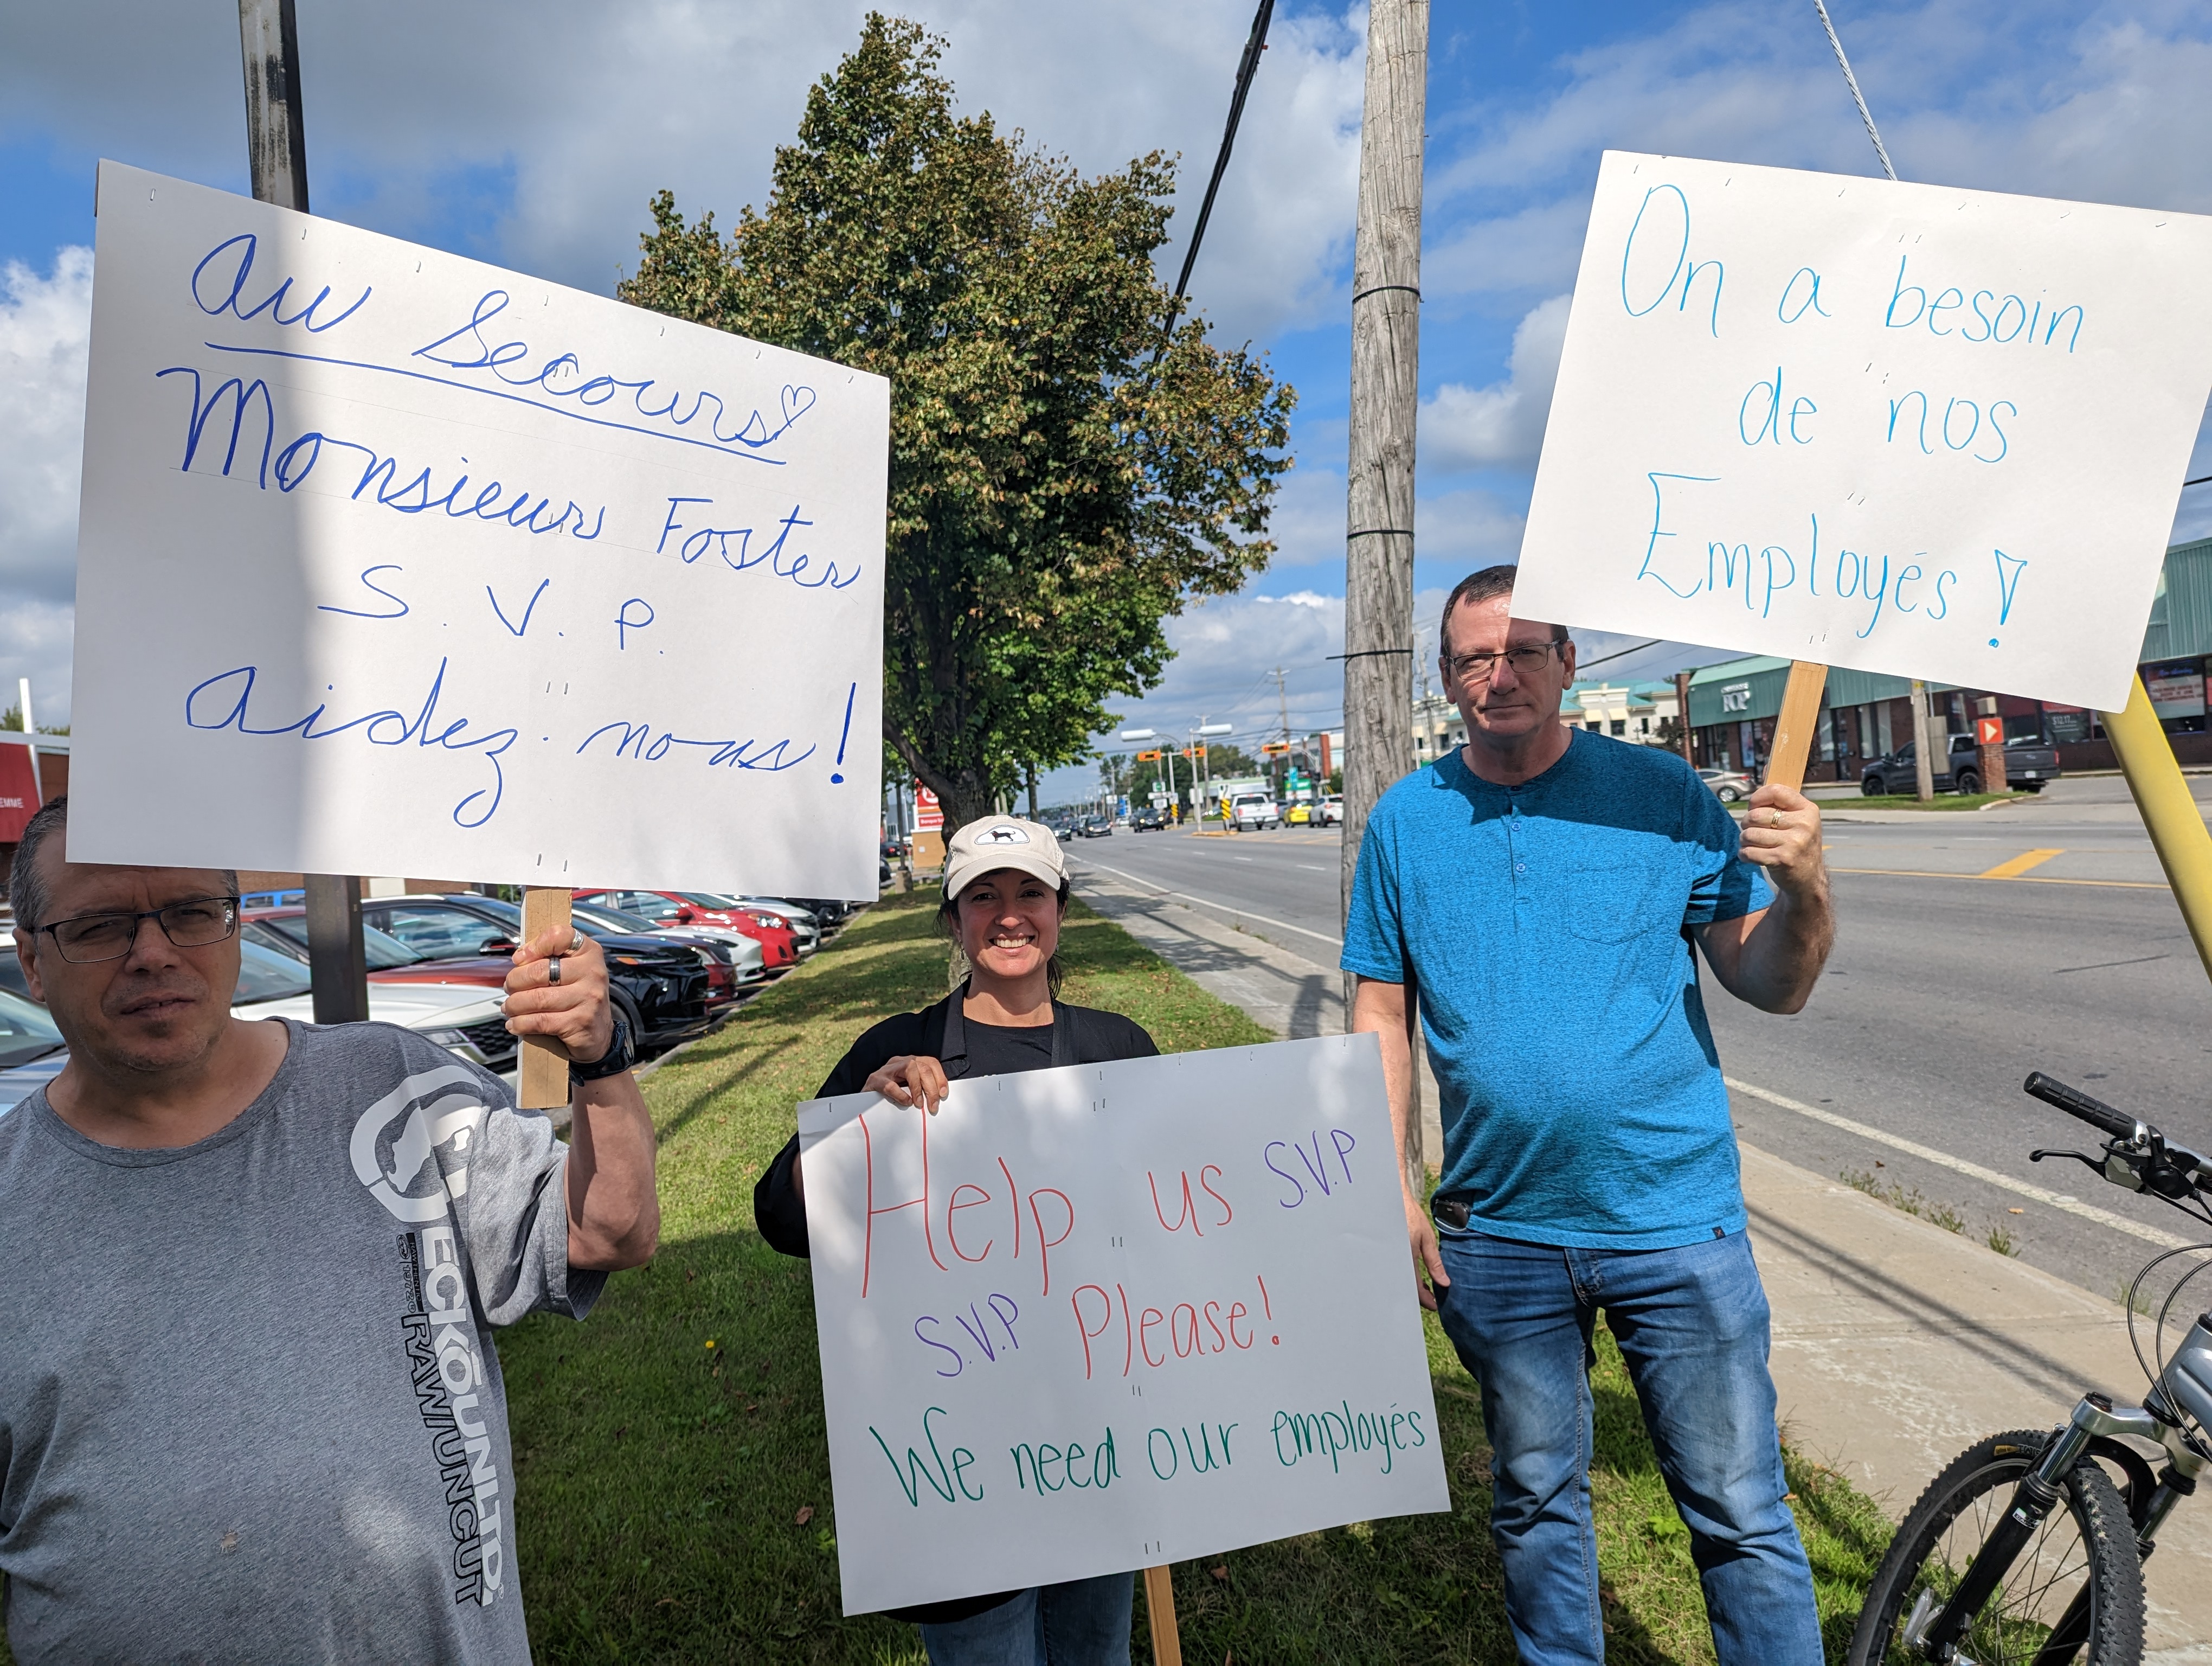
<point x="948" y="921"/>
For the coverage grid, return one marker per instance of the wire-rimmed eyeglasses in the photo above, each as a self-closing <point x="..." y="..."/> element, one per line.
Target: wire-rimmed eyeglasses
<point x="193" y="923"/>
<point x="1527" y="660"/>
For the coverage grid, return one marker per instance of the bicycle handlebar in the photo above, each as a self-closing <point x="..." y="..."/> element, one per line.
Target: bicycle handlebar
<point x="2075" y="1103"/>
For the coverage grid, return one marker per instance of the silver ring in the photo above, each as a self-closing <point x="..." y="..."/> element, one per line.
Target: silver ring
<point x="553" y="970"/>
<point x="575" y="942"/>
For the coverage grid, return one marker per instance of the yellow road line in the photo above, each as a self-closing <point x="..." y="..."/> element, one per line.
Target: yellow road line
<point x="2020" y="864"/>
<point x="2025" y="878"/>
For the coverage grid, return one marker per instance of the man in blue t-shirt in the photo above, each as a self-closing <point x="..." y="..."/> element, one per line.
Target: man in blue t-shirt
<point x="1541" y="889"/>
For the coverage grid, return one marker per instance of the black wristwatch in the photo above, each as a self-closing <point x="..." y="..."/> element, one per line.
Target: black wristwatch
<point x="621" y="1055"/>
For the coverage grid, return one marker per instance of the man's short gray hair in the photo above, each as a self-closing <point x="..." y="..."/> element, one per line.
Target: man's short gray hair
<point x="27" y="893"/>
<point x="1486" y="585"/>
<point x="27" y="890"/>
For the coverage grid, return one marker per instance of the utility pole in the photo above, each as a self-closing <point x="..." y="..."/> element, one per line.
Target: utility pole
<point x="1682" y="735"/>
<point x="277" y="157"/>
<point x="1378" y="586"/>
<point x="1924" y="764"/>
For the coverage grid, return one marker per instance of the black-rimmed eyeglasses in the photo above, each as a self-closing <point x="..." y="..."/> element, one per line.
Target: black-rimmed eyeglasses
<point x="1526" y="660"/>
<point x="191" y="924"/>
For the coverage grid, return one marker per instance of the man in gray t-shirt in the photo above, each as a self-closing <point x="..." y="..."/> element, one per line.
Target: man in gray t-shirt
<point x="250" y="1405"/>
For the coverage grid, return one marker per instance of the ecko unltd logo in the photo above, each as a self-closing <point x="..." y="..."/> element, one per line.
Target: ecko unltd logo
<point x="395" y="1141"/>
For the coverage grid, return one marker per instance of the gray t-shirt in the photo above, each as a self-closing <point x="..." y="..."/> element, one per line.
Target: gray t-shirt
<point x="249" y="1407"/>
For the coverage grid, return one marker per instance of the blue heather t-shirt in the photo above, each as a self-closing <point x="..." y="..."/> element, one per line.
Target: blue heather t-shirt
<point x="1545" y="927"/>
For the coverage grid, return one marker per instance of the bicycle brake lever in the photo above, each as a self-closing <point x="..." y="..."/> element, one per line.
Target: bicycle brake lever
<point x="2082" y="1158"/>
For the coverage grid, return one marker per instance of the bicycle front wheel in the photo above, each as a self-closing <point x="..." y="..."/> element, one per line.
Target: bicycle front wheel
<point x="2075" y="1592"/>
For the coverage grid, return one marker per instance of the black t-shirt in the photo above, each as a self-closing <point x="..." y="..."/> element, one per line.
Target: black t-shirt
<point x="1001" y="1049"/>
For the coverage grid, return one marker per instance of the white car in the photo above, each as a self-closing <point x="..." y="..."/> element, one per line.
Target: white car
<point x="31" y="1052"/>
<point x="466" y="1018"/>
<point x="461" y="1017"/>
<point x="1255" y="811"/>
<point x="1332" y="810"/>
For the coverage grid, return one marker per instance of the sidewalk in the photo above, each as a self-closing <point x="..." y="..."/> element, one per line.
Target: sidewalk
<point x="1896" y="1344"/>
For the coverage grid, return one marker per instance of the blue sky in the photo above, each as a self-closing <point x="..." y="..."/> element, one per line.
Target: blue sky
<point x="531" y="135"/>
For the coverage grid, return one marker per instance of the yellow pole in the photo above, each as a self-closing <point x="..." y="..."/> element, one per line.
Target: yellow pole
<point x="2176" y="827"/>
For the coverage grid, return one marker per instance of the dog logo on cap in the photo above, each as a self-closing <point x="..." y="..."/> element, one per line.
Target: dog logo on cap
<point x="1002" y="834"/>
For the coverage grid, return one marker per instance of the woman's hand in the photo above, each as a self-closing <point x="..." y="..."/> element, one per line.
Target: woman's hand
<point x="910" y="1078"/>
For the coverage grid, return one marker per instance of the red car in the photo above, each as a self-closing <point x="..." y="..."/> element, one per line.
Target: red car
<point x="671" y="910"/>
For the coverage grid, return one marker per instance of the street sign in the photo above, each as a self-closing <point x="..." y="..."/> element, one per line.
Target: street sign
<point x="1988" y="731"/>
<point x="1148" y="758"/>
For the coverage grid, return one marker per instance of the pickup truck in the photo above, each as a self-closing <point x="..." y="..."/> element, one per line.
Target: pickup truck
<point x="2028" y="763"/>
<point x="1255" y="811"/>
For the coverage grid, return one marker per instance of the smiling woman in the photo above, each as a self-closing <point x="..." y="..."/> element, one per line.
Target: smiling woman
<point x="1005" y="895"/>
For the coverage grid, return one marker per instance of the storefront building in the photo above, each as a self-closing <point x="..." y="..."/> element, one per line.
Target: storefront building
<point x="1864" y="716"/>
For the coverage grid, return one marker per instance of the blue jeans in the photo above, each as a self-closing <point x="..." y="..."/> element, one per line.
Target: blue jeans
<point x="1692" y="1326"/>
<point x="1084" y="1622"/>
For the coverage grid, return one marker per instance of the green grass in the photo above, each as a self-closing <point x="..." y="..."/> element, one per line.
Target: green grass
<point x="661" y="1483"/>
<point x="673" y="1498"/>
<point x="1998" y="1238"/>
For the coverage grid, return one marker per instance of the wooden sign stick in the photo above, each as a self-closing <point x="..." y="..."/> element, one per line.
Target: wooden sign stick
<point x="1793" y="729"/>
<point x="1159" y="1604"/>
<point x="544" y="1082"/>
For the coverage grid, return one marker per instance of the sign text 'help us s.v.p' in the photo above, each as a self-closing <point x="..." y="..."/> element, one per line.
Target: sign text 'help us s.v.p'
<point x="1105" y="1316"/>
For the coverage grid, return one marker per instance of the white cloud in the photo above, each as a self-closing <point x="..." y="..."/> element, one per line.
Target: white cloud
<point x="1534" y="249"/>
<point x="45" y="331"/>
<point x="1307" y="521"/>
<point x="1466" y="427"/>
<point x="585" y="109"/>
<point x="1466" y="529"/>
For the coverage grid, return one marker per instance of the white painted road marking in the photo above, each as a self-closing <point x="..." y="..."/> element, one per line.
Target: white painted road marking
<point x="1929" y="1153"/>
<point x="1208" y="902"/>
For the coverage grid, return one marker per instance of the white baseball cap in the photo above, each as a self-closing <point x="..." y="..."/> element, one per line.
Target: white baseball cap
<point x="996" y="841"/>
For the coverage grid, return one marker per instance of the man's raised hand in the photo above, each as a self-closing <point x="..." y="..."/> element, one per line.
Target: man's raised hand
<point x="569" y="1007"/>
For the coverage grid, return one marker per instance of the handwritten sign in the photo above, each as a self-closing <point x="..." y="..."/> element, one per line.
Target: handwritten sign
<point x="1106" y="1317"/>
<point x="393" y="562"/>
<point x="1902" y="428"/>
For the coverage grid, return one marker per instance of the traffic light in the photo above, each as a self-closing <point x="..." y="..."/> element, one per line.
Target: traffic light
<point x="1274" y="748"/>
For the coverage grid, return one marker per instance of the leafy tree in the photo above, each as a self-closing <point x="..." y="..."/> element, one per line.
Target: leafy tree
<point x="1056" y="490"/>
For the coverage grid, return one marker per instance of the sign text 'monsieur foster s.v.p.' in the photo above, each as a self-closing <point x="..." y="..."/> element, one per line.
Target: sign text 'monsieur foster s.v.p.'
<point x="391" y="561"/>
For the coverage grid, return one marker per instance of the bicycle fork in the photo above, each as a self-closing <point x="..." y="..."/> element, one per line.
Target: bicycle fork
<point x="1934" y="1633"/>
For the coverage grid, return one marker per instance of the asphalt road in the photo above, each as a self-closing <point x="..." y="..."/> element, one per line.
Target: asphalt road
<point x="1947" y="987"/>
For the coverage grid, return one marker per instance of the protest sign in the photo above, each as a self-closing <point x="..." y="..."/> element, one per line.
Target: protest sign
<point x="1105" y="1316"/>
<point x="390" y="562"/>
<point x="1902" y="428"/>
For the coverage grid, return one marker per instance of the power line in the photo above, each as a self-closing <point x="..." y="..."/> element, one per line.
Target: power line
<point x="1247" y="66"/>
<point x="1585" y="665"/>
